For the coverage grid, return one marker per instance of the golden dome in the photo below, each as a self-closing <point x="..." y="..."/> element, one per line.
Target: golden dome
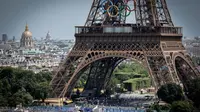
<point x="26" y="33"/>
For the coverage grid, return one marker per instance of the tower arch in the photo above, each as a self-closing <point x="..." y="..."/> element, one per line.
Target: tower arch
<point x="117" y="57"/>
<point x="184" y="68"/>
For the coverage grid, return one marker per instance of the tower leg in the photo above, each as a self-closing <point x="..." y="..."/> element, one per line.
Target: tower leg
<point x="63" y="75"/>
<point x="159" y="70"/>
<point x="100" y="72"/>
<point x="184" y="68"/>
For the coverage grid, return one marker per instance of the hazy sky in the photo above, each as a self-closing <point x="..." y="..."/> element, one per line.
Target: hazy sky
<point x="60" y="16"/>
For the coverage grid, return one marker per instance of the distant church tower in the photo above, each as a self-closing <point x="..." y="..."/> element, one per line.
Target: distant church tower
<point x="48" y="37"/>
<point x="26" y="39"/>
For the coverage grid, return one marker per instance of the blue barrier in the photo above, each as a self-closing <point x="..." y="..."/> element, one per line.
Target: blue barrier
<point x="84" y="109"/>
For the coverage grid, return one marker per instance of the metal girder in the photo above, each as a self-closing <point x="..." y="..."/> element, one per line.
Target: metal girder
<point x="185" y="72"/>
<point x="98" y="15"/>
<point x="147" y="13"/>
<point x="153" y="13"/>
<point x="62" y="75"/>
<point x="159" y="69"/>
<point x="100" y="72"/>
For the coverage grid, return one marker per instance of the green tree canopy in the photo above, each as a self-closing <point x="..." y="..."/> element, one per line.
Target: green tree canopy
<point x="170" y="93"/>
<point x="22" y="86"/>
<point x="181" y="106"/>
<point x="193" y="92"/>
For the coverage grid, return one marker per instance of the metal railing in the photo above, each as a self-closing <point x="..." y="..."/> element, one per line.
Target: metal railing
<point x="127" y="29"/>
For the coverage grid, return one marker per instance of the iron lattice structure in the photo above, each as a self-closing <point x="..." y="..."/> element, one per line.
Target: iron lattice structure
<point x="106" y="40"/>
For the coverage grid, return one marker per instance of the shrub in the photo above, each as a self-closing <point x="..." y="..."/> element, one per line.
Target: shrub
<point x="193" y="92"/>
<point x="181" y="106"/>
<point x="170" y="93"/>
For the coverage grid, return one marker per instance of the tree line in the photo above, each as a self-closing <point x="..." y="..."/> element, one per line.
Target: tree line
<point x="179" y="99"/>
<point x="23" y="86"/>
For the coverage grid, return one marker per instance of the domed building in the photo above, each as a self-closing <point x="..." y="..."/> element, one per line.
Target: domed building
<point x="26" y="39"/>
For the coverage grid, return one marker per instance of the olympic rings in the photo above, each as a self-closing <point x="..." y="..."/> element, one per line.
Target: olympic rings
<point x="126" y="14"/>
<point x="126" y="1"/>
<point x="115" y="8"/>
<point x="111" y="3"/>
<point x="119" y="10"/>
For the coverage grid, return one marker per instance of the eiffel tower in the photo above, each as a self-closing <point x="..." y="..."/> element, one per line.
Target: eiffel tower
<point x="106" y="39"/>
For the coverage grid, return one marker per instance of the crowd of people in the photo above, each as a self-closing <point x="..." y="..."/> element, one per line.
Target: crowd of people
<point x="122" y="100"/>
<point x="80" y="109"/>
<point x="119" y="103"/>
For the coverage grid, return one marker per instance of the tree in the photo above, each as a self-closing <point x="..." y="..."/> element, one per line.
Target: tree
<point x="42" y="91"/>
<point x="122" y="77"/>
<point x="22" y="86"/>
<point x="193" y="91"/>
<point x="170" y="93"/>
<point x="181" y="106"/>
<point x="110" y="89"/>
<point x="3" y="101"/>
<point x="22" y="97"/>
<point x="159" y="108"/>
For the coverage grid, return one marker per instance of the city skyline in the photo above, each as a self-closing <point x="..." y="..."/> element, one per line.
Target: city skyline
<point x="60" y="17"/>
